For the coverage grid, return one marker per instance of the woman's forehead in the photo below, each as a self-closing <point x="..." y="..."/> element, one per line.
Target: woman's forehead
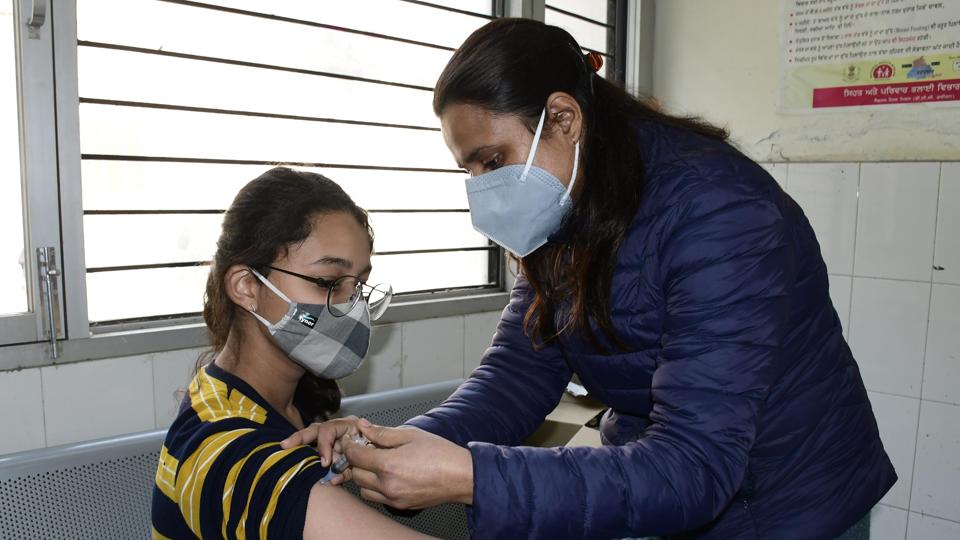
<point x="467" y="127"/>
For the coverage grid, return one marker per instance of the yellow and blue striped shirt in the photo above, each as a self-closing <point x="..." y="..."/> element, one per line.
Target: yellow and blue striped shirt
<point x="222" y="473"/>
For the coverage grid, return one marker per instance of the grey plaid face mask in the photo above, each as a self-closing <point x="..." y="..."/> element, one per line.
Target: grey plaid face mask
<point x="327" y="346"/>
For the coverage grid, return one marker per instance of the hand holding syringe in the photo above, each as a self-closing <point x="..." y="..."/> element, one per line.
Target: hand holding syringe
<point x="326" y="437"/>
<point x="341" y="464"/>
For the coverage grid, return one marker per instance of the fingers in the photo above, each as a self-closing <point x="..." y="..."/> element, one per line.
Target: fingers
<point x="324" y="435"/>
<point x="374" y="496"/>
<point x="363" y="457"/>
<point x="386" y="437"/>
<point x="345" y="477"/>
<point x="340" y="479"/>
<point x="365" y="479"/>
<point x="303" y="437"/>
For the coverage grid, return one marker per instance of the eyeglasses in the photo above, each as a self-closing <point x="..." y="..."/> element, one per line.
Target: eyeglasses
<point x="344" y="292"/>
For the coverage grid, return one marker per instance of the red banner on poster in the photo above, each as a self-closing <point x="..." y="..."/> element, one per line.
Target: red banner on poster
<point x="887" y="94"/>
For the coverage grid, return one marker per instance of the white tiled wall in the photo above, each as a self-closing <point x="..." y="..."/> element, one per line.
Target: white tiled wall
<point x="890" y="235"/>
<point x="828" y="194"/>
<point x="21" y="393"/>
<point x="95" y="399"/>
<point x="87" y="400"/>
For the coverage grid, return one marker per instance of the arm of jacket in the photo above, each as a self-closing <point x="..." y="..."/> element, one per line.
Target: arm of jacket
<point x="726" y="270"/>
<point x="509" y="395"/>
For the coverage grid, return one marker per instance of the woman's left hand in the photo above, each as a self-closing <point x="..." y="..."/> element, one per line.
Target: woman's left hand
<point x="326" y="437"/>
<point x="408" y="468"/>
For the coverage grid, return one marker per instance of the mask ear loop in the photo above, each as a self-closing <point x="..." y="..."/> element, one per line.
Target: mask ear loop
<point x="533" y="147"/>
<point x="573" y="176"/>
<point x="273" y="288"/>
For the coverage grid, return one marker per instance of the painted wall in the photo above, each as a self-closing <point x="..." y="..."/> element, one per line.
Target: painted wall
<point x="720" y="59"/>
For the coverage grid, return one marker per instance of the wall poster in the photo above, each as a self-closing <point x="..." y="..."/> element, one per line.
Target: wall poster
<point x="868" y="53"/>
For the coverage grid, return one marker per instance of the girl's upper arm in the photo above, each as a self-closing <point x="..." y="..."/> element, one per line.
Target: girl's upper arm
<point x="333" y="512"/>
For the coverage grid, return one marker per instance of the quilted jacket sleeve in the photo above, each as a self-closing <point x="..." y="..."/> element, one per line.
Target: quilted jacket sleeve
<point x="726" y="269"/>
<point x="509" y="395"/>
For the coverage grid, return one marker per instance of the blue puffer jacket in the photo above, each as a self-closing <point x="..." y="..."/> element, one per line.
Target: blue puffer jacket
<point x="739" y="412"/>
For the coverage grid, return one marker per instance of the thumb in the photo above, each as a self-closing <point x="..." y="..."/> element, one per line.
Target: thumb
<point x="385" y="437"/>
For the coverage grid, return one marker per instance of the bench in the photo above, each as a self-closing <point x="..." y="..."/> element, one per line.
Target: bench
<point x="103" y="488"/>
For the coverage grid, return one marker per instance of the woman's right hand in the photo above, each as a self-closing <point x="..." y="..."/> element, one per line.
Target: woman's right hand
<point x="325" y="436"/>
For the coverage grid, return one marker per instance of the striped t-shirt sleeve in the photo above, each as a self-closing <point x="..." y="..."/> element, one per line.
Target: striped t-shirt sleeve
<point x="236" y="482"/>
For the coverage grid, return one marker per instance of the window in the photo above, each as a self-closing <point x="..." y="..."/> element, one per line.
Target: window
<point x="127" y="127"/>
<point x="175" y="118"/>
<point x="598" y="26"/>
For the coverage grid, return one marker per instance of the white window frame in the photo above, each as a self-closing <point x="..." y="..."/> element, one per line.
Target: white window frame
<point x="38" y="165"/>
<point x="54" y="180"/>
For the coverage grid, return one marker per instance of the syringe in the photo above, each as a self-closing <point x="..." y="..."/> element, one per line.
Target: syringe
<point x="342" y="464"/>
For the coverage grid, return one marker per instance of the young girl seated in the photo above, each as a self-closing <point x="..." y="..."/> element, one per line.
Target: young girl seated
<point x="289" y="311"/>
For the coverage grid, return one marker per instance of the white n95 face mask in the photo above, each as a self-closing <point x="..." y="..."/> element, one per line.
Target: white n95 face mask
<point x="520" y="206"/>
<point x="326" y="346"/>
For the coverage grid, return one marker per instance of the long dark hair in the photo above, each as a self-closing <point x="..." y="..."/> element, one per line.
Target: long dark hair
<point x="511" y="66"/>
<point x="269" y="214"/>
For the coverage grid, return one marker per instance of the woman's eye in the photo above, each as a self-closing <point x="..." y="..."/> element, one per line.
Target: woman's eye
<point x="492" y="164"/>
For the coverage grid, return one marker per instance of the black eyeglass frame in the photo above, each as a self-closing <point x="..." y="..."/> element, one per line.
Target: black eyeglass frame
<point x="363" y="291"/>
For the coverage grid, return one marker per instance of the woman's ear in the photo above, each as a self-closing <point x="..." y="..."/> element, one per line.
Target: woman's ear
<point x="242" y="287"/>
<point x="564" y="116"/>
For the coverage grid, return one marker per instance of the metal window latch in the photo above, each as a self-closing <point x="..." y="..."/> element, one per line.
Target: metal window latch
<point x="36" y="18"/>
<point x="48" y="273"/>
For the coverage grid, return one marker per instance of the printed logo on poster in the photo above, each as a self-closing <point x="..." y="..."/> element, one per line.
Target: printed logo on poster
<point x="921" y="70"/>
<point x="883" y="71"/>
<point x="851" y="73"/>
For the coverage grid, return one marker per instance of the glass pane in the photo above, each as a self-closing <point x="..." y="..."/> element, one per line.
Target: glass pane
<point x="130" y="185"/>
<point x="425" y="271"/>
<point x="130" y="76"/>
<point x="591" y="9"/>
<point x="145" y="293"/>
<point x="135" y="131"/>
<point x="432" y="25"/>
<point x="122" y="240"/>
<point x="587" y="34"/>
<point x="407" y="232"/>
<point x="13" y="281"/>
<point x="186" y="29"/>
<point x="168" y="291"/>
<point x="476" y="6"/>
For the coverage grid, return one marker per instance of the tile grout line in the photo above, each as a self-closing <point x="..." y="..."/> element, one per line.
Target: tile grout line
<point x="934" y="516"/>
<point x="900" y="280"/>
<point x="43" y="408"/>
<point x="926" y="336"/>
<point x="924" y="514"/>
<point x="403" y="359"/>
<point x="891" y="394"/>
<point x="853" y="263"/>
<point x="153" y="388"/>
